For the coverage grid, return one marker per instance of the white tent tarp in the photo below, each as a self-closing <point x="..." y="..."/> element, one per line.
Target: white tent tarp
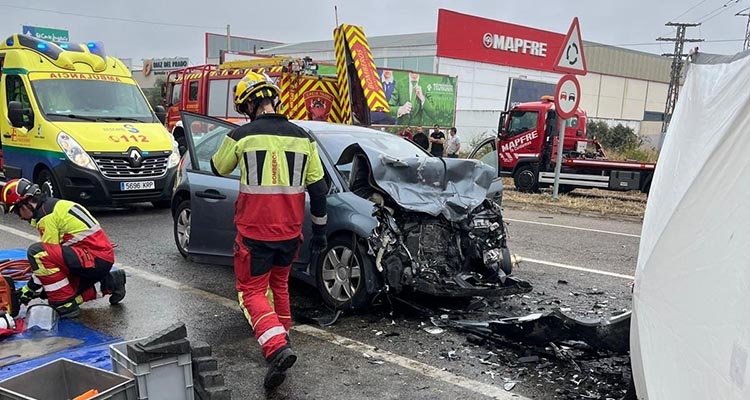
<point x="690" y="335"/>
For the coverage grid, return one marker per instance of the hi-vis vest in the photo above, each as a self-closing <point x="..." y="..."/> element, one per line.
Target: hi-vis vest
<point x="62" y="222"/>
<point x="277" y="159"/>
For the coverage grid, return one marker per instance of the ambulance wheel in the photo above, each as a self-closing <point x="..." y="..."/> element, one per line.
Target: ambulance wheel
<point x="45" y="176"/>
<point x="526" y="179"/>
<point x="340" y="274"/>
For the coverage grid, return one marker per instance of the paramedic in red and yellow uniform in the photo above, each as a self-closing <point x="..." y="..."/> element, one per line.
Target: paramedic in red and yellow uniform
<point x="278" y="161"/>
<point x="74" y="253"/>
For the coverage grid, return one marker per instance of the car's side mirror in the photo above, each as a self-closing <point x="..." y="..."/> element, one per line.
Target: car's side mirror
<point x="501" y="132"/>
<point x="20" y="117"/>
<point x="161" y="113"/>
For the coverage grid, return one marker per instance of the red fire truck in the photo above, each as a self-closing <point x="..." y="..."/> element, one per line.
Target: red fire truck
<point x="526" y="147"/>
<point x="349" y="97"/>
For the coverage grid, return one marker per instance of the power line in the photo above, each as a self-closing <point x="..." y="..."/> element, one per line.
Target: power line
<point x="137" y="21"/>
<point x="688" y="10"/>
<point x="658" y="44"/>
<point x="713" y="14"/>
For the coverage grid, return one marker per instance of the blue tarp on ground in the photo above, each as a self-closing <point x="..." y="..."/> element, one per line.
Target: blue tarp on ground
<point x="93" y="349"/>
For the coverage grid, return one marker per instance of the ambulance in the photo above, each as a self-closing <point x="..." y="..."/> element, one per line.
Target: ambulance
<point x="75" y="118"/>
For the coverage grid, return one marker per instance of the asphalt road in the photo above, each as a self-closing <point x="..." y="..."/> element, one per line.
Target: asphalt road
<point x="401" y="358"/>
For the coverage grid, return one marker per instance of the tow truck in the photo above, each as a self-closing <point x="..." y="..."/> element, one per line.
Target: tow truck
<point x="526" y="145"/>
<point x="348" y="98"/>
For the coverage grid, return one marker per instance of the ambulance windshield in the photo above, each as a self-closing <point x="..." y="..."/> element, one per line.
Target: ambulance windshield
<point x="91" y="99"/>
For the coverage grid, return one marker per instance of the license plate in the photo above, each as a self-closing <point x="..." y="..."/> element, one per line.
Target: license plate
<point x="142" y="185"/>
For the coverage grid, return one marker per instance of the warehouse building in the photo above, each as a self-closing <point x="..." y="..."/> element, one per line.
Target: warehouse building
<point x="622" y="85"/>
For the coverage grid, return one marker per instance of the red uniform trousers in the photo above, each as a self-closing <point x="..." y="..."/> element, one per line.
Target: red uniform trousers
<point x="65" y="274"/>
<point x="258" y="266"/>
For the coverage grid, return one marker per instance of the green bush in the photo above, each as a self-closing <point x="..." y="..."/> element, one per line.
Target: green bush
<point x="619" y="138"/>
<point x="597" y="129"/>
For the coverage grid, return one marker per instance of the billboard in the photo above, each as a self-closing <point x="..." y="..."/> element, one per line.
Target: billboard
<point x="160" y="66"/>
<point x="415" y="98"/>
<point x="467" y="37"/>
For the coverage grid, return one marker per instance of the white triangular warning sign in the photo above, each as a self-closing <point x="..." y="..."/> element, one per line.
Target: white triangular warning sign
<point x="571" y="58"/>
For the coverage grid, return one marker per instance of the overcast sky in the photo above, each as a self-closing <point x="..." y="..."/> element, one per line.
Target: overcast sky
<point x="605" y="21"/>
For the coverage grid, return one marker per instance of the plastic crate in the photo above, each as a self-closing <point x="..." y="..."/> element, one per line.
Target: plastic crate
<point x="168" y="378"/>
<point x="64" y="379"/>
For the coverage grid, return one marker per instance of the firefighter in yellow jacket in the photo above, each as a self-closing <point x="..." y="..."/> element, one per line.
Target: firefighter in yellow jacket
<point x="278" y="160"/>
<point x="74" y="253"/>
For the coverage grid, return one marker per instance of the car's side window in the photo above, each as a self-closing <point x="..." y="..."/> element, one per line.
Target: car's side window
<point x="206" y="138"/>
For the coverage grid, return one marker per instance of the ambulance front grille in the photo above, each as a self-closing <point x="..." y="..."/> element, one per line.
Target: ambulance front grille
<point x="120" y="167"/>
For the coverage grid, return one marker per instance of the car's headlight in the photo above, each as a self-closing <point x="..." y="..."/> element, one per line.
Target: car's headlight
<point x="174" y="158"/>
<point x="74" y="151"/>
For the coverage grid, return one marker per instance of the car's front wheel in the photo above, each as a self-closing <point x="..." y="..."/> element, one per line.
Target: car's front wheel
<point x="182" y="218"/>
<point x="341" y="274"/>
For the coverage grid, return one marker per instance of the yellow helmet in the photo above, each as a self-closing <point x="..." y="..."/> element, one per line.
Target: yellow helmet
<point x="254" y="86"/>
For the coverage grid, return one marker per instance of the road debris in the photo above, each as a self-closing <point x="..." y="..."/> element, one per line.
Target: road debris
<point x="433" y="330"/>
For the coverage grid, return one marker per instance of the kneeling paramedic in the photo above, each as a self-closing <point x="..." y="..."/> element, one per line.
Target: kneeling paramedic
<point x="74" y="253"/>
<point x="277" y="159"/>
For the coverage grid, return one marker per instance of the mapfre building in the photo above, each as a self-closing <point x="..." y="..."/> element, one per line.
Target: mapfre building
<point x="499" y="63"/>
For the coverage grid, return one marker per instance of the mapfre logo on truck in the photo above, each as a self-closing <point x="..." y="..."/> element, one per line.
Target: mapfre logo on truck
<point x="520" y="142"/>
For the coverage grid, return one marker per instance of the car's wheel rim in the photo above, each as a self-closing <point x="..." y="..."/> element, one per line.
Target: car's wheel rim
<point x="341" y="273"/>
<point x="183" y="229"/>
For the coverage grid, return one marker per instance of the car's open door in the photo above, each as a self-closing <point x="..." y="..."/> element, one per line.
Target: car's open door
<point x="212" y="197"/>
<point x="486" y="152"/>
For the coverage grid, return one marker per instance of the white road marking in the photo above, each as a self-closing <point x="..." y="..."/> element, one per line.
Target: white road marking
<point x="572" y="227"/>
<point x="407" y="363"/>
<point x="354" y="345"/>
<point x="14" y="231"/>
<point x="574" y="268"/>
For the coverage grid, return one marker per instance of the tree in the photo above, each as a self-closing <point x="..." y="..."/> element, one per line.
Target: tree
<point x="618" y="138"/>
<point x="154" y="95"/>
<point x="597" y="129"/>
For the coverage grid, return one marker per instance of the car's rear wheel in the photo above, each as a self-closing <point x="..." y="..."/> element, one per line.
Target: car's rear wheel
<point x="341" y="274"/>
<point x="182" y="219"/>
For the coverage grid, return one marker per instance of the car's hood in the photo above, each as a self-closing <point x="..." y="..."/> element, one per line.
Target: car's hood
<point x="432" y="185"/>
<point x="112" y="136"/>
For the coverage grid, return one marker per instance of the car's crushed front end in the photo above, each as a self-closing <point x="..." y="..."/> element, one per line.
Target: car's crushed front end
<point x="437" y="233"/>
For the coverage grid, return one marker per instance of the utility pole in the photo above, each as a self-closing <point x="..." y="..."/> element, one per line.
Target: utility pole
<point x="229" y="43"/>
<point x="745" y="13"/>
<point x="678" y="61"/>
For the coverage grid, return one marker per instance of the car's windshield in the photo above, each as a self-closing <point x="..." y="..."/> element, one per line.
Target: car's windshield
<point x="335" y="142"/>
<point x="79" y="99"/>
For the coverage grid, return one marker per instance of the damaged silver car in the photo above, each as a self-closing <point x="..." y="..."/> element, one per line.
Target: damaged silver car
<point x="399" y="220"/>
<point x="437" y="232"/>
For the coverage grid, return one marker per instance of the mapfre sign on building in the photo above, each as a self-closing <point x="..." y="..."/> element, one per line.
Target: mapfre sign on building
<point x="466" y="37"/>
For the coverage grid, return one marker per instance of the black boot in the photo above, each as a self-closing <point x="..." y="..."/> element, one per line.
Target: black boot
<point x="68" y="310"/>
<point x="117" y="279"/>
<point x="280" y="362"/>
